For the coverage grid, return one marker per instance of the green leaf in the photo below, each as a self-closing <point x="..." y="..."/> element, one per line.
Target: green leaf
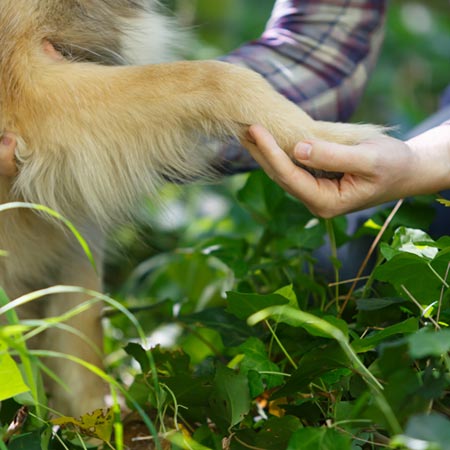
<point x="288" y="293"/>
<point x="427" y="343"/>
<point x="189" y="390"/>
<point x="139" y="390"/>
<point x="408" y="326"/>
<point x="26" y="441"/>
<point x="230" y="399"/>
<point x="425" y="432"/>
<point x="260" y="195"/>
<point x="139" y="354"/>
<point x="271" y="205"/>
<point x="415" y="273"/>
<point x="417" y="242"/>
<point x="232" y="330"/>
<point x="443" y="242"/>
<point x="256" y="360"/>
<point x="170" y="362"/>
<point x="230" y="251"/>
<point x="274" y="434"/>
<point x="290" y="214"/>
<point x="309" y="236"/>
<point x="318" y="327"/>
<point x="205" y="342"/>
<point x="319" y="438"/>
<point x="313" y="365"/>
<point x="244" y="305"/>
<point x="182" y="441"/>
<point x="374" y="304"/>
<point x="98" y="424"/>
<point x="12" y="382"/>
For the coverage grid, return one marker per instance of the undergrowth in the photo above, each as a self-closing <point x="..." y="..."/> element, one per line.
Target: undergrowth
<point x="273" y="344"/>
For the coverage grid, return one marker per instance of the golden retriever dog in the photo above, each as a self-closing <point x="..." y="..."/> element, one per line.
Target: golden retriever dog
<point x="102" y="124"/>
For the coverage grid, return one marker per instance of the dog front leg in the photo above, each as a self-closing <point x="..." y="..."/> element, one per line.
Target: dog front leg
<point x="106" y="135"/>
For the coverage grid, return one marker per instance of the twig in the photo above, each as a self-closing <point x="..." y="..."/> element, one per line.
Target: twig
<point x="369" y="254"/>
<point x="436" y="325"/>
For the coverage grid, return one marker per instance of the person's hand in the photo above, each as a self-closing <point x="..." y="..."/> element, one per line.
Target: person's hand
<point x="374" y="171"/>
<point x="8" y="167"/>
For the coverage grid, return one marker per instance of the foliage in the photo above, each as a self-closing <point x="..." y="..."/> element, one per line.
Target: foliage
<point x="270" y="348"/>
<point x="276" y="361"/>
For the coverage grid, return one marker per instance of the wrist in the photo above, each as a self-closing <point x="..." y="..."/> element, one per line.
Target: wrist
<point x="431" y="155"/>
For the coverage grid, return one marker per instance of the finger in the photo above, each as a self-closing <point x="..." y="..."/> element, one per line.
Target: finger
<point x="333" y="157"/>
<point x="324" y="197"/>
<point x="8" y="167"/>
<point x="278" y="165"/>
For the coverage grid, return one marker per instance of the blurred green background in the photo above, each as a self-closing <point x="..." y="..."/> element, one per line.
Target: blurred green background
<point x="413" y="69"/>
<point x="412" y="72"/>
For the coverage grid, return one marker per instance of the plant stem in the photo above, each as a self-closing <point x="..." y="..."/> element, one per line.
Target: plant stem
<point x="333" y="245"/>
<point x="288" y="356"/>
<point x="369" y="254"/>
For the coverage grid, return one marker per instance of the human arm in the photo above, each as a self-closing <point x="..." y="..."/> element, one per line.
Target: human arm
<point x="374" y="172"/>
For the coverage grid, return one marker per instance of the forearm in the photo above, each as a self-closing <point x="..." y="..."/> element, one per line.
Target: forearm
<point x="430" y="171"/>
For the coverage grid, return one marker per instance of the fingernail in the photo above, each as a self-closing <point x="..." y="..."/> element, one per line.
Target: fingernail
<point x="302" y="150"/>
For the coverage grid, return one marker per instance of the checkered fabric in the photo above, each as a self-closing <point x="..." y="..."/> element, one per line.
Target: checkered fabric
<point x="317" y="53"/>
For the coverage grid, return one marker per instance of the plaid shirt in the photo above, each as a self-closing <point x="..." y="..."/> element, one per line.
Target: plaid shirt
<point x="318" y="53"/>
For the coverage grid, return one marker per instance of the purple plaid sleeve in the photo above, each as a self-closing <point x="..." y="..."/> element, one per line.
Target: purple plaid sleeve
<point x="317" y="53"/>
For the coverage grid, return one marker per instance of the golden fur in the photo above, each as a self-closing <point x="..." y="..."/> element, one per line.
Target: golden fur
<point x="95" y="136"/>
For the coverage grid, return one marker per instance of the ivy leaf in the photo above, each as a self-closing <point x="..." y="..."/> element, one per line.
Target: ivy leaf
<point x="271" y="205"/>
<point x="260" y="195"/>
<point x="244" y="305"/>
<point x="427" y="432"/>
<point x="232" y="330"/>
<point x="228" y="250"/>
<point x="408" y="326"/>
<point x="26" y="441"/>
<point x="98" y="424"/>
<point x="312" y="366"/>
<point x="412" y="240"/>
<point x="139" y="354"/>
<point x="319" y="438"/>
<point x="426" y="343"/>
<point x="256" y="361"/>
<point x="273" y="435"/>
<point x="417" y="274"/>
<point x="230" y="399"/>
<point x="374" y="304"/>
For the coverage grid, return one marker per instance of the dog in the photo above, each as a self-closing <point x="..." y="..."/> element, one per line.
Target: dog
<point x="101" y="120"/>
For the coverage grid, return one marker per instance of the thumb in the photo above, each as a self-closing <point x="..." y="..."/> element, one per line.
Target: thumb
<point x="333" y="157"/>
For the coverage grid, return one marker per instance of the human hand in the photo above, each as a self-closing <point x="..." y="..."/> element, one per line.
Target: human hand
<point x="374" y="172"/>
